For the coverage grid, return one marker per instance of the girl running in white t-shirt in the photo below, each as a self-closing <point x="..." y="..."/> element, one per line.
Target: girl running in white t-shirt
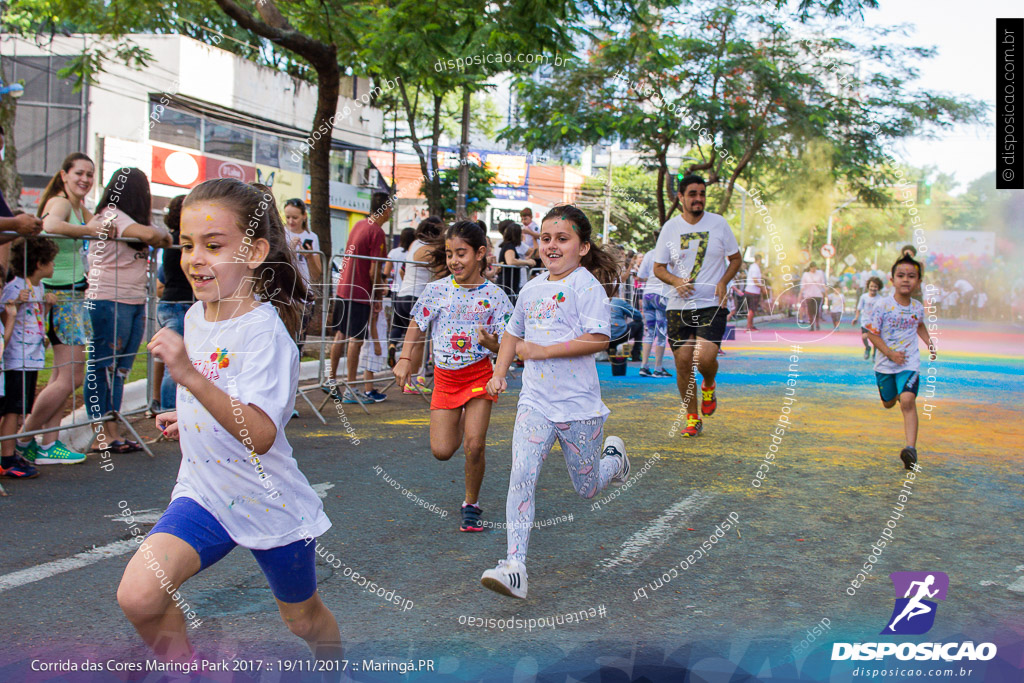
<point x="561" y="320"/>
<point x="237" y="369"/>
<point x="467" y="315"/>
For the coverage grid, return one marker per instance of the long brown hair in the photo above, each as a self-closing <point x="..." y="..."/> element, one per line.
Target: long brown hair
<point x="468" y="231"/>
<point x="277" y="280"/>
<point x="55" y="188"/>
<point x="598" y="261"/>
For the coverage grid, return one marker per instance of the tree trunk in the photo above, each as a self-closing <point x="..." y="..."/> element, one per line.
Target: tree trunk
<point x="328" y="79"/>
<point x="323" y="58"/>
<point x="10" y="181"/>
<point x="432" y="184"/>
<point x="460" y="197"/>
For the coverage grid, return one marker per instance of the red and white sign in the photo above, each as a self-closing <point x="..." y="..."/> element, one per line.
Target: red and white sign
<point x="215" y="168"/>
<point x="181" y="169"/>
<point x="828" y="251"/>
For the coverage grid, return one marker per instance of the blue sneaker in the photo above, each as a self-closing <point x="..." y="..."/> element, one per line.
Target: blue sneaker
<point x="375" y="396"/>
<point x="349" y="397"/>
<point x="21" y="469"/>
<point x="471" y="518"/>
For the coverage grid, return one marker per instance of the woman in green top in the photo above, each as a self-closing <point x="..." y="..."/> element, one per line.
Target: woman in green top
<point x="68" y="326"/>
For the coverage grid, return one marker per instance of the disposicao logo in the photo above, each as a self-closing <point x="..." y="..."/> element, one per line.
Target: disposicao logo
<point x="914" y="614"/>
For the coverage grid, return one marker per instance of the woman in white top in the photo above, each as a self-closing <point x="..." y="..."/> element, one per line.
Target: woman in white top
<point x="393" y="270"/>
<point x="812" y="290"/>
<point x="414" y="279"/>
<point x="301" y="238"/>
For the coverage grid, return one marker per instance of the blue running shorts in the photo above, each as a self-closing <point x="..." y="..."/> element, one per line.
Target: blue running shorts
<point x="290" y="569"/>
<point x="892" y="385"/>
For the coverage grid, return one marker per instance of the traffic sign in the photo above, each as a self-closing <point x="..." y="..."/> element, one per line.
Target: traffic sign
<point x="850" y="260"/>
<point x="828" y="251"/>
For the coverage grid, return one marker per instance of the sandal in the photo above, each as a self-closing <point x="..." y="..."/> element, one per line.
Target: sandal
<point x="125" y="446"/>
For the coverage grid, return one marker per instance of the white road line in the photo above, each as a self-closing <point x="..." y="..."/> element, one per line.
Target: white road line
<point x="322" y="488"/>
<point x="148" y="516"/>
<point x="83" y="559"/>
<point x="643" y="543"/>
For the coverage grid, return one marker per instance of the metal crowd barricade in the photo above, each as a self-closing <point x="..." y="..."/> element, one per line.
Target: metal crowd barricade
<point x="348" y="385"/>
<point x="324" y="378"/>
<point x="318" y="290"/>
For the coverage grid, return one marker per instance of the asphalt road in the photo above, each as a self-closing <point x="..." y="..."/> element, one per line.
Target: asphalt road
<point x="794" y="546"/>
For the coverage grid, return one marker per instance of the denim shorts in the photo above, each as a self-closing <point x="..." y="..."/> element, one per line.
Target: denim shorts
<point x="171" y="314"/>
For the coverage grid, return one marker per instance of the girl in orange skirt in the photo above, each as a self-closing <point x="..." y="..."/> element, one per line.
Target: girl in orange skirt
<point x="466" y="315"/>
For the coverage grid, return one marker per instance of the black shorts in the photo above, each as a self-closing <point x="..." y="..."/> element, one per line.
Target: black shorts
<point x="350" y="318"/>
<point x="753" y="301"/>
<point x="19" y="391"/>
<point x="706" y="323"/>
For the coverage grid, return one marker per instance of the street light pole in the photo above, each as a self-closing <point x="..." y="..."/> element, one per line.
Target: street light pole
<point x="828" y="238"/>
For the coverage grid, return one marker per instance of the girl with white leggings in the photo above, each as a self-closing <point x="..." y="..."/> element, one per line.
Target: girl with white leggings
<point x="561" y="320"/>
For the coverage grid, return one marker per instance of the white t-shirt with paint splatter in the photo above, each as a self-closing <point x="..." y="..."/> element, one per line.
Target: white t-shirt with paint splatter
<point x="897" y="326"/>
<point x="453" y="313"/>
<point x="263" y="501"/>
<point x="547" y="313"/>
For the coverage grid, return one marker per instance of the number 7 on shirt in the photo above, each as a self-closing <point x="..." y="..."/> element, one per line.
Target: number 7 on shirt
<point x="686" y="244"/>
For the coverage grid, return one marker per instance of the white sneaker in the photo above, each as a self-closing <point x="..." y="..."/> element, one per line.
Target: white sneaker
<point x="614" y="447"/>
<point x="508" y="578"/>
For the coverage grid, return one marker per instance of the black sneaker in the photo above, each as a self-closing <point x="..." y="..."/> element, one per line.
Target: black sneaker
<point x="909" y="457"/>
<point x="645" y="372"/>
<point x="471" y="518"/>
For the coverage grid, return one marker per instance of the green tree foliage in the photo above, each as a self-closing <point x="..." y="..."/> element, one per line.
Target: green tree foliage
<point x="736" y="88"/>
<point x="412" y="43"/>
<point x="634" y="209"/>
<point x="477" y="193"/>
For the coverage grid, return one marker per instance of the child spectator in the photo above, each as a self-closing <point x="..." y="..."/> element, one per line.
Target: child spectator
<point x="32" y="260"/>
<point x="836" y="302"/>
<point x="10" y="310"/>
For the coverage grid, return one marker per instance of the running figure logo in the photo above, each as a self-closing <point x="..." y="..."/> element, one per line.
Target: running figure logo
<point x="913" y="614"/>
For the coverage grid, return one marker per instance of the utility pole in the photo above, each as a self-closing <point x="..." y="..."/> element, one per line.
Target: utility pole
<point x="460" y="197"/>
<point x="394" y="180"/>
<point x="828" y="237"/>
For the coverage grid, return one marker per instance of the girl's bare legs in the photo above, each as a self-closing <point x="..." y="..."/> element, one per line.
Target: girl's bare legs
<point x="162" y="563"/>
